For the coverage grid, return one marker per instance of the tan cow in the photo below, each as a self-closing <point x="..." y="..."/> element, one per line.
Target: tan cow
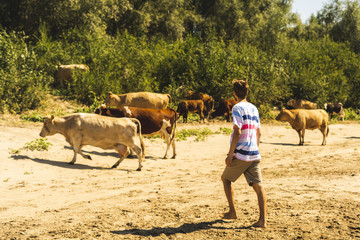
<point x="64" y="72"/>
<point x="301" y="119"/>
<point x="301" y="104"/>
<point x="153" y="121"/>
<point x="82" y="129"/>
<point x="139" y="99"/>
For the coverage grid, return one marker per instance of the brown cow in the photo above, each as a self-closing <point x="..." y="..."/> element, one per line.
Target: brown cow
<point x="224" y="109"/>
<point x="139" y="99"/>
<point x="82" y="129"/>
<point x="193" y="106"/>
<point x="64" y="72"/>
<point x="302" y="104"/>
<point x="207" y="99"/>
<point x="301" y="119"/>
<point x="153" y="121"/>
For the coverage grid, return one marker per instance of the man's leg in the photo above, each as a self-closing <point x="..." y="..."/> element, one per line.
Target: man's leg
<point x="229" y="192"/>
<point x="262" y="205"/>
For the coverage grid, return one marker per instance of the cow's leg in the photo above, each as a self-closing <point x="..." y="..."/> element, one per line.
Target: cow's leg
<point x="299" y="133"/>
<point x="74" y="157"/>
<point x="77" y="150"/>
<point x="323" y="131"/>
<point x="302" y="136"/>
<point x="173" y="147"/>
<point x="123" y="152"/>
<point x="202" y="117"/>
<point x="167" y="138"/>
<point x="83" y="155"/>
<point x="185" y="115"/>
<point x="138" y="153"/>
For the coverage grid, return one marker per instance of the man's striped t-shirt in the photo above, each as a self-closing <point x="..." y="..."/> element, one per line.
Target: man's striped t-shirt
<point x="246" y="117"/>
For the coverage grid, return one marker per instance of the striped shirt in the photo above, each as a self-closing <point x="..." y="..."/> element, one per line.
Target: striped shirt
<point x="246" y="117"/>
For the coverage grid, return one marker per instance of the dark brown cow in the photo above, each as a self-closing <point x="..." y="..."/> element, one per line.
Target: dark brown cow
<point x="153" y="121"/>
<point x="207" y="99"/>
<point x="224" y="109"/>
<point x="193" y="106"/>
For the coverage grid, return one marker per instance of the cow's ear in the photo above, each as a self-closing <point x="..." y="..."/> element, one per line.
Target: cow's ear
<point x="52" y="117"/>
<point x="110" y="93"/>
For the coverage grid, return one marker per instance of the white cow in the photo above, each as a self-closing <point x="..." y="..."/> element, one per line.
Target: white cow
<point x="64" y="72"/>
<point x="82" y="129"/>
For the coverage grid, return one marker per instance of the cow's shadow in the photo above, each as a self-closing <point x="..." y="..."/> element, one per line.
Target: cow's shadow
<point x="109" y="154"/>
<point x="352" y="137"/>
<point x="282" y="144"/>
<point x="76" y="166"/>
<point x="185" y="228"/>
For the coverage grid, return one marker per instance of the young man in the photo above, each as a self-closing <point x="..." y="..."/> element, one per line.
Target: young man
<point x="244" y="156"/>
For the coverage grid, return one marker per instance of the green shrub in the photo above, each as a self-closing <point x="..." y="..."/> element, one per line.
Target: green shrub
<point x="23" y="84"/>
<point x="40" y="144"/>
<point x="266" y="112"/>
<point x="350" y="114"/>
<point x="33" y="117"/>
<point x="200" y="134"/>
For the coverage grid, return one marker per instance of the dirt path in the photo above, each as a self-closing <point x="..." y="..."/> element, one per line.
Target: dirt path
<point x="313" y="191"/>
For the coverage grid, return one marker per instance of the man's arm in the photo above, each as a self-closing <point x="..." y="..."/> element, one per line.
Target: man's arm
<point x="234" y="142"/>
<point x="258" y="135"/>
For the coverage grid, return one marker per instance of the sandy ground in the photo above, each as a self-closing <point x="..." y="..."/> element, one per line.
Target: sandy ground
<point x="313" y="191"/>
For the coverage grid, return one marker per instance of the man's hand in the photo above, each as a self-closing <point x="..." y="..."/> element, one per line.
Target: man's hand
<point x="228" y="160"/>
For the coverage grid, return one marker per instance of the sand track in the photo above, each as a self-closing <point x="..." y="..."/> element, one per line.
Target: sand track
<point x="313" y="191"/>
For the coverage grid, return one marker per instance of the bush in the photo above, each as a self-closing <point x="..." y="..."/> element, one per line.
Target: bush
<point x="351" y="114"/>
<point x="22" y="84"/>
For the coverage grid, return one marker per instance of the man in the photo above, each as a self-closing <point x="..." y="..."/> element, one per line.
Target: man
<point x="244" y="156"/>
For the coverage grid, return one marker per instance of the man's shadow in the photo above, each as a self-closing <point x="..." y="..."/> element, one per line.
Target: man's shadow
<point x="185" y="228"/>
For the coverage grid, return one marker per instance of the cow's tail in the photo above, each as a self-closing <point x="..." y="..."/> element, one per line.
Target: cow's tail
<point x="170" y="99"/>
<point x="327" y="131"/>
<point x="138" y="124"/>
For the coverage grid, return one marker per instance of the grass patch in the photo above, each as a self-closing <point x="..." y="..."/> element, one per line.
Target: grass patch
<point x="33" y="117"/>
<point x="40" y="144"/>
<point x="200" y="134"/>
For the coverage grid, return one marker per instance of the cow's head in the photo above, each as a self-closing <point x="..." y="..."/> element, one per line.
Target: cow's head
<point x="48" y="128"/>
<point x="112" y="99"/>
<point x="283" y="115"/>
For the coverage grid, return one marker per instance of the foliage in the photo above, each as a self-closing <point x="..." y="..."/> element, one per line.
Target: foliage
<point x="40" y="144"/>
<point x="200" y="134"/>
<point x="161" y="46"/>
<point x="351" y="114"/>
<point x="22" y="84"/>
<point x="33" y="117"/>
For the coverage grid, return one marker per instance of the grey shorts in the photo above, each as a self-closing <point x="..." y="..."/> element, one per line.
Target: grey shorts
<point x="251" y="171"/>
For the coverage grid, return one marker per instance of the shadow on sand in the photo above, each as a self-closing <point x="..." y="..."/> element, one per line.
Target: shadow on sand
<point x="110" y="154"/>
<point x="77" y="166"/>
<point x="282" y="144"/>
<point x="185" y="228"/>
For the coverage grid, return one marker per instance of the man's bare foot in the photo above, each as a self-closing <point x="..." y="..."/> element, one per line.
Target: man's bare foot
<point x="228" y="215"/>
<point x="259" y="224"/>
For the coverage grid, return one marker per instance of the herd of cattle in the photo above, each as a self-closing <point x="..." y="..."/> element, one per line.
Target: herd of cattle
<point x="125" y="117"/>
<point x="146" y="114"/>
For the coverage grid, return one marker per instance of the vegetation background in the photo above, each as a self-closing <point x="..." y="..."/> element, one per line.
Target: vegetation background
<point x="160" y="45"/>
